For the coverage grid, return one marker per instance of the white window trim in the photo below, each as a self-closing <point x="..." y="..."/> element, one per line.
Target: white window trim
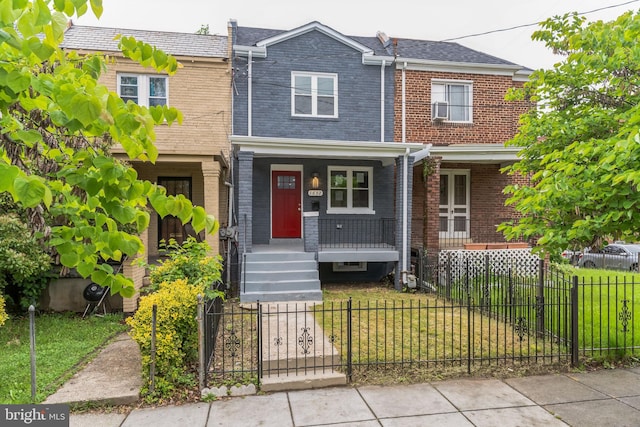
<point x="456" y="82"/>
<point x="348" y="209"/>
<point x="143" y="86"/>
<point x="314" y="94"/>
<point x="344" y="266"/>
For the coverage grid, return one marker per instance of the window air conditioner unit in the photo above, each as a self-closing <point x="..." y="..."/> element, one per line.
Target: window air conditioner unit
<point x="440" y="110"/>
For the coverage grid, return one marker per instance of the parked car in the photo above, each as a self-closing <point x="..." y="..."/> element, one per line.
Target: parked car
<point x="614" y="256"/>
<point x="572" y="256"/>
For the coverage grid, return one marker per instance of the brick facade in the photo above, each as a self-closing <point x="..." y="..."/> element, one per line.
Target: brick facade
<point x="495" y="121"/>
<point x="201" y="91"/>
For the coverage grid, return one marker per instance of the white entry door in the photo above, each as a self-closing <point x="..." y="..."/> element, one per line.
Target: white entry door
<point x="454" y="203"/>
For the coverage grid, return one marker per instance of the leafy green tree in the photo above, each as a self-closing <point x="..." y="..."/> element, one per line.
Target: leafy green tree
<point x="204" y="29"/>
<point x="581" y="146"/>
<point x="57" y="124"/>
<point x="24" y="265"/>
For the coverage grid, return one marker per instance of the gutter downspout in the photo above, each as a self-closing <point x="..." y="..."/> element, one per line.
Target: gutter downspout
<point x="404" y="102"/>
<point x="382" y="66"/>
<point x="405" y="196"/>
<point x="249" y="91"/>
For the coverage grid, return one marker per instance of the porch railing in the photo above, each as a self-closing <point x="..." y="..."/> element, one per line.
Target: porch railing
<point x="454" y="233"/>
<point x="357" y="233"/>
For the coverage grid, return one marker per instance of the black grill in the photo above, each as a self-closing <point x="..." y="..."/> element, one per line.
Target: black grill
<point x="93" y="292"/>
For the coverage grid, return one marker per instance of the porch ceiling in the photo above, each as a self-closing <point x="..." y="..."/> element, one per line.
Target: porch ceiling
<point x="476" y="153"/>
<point x="386" y="152"/>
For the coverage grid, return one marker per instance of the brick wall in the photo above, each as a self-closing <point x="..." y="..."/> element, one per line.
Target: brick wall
<point x="494" y="119"/>
<point x="358" y="87"/>
<point x="201" y="90"/>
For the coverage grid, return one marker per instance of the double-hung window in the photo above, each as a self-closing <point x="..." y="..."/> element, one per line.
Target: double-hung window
<point x="350" y="190"/>
<point x="143" y="89"/>
<point x="314" y="94"/>
<point x="452" y="101"/>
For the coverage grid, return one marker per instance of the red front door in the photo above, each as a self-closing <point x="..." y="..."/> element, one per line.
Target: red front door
<point x="286" y="208"/>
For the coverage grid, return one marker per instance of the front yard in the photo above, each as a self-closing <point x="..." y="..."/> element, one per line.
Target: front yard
<point x="64" y="342"/>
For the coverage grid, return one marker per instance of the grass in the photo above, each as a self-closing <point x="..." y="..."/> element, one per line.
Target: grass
<point x="63" y="343"/>
<point x="608" y="315"/>
<point x="607" y="325"/>
<point x="417" y="331"/>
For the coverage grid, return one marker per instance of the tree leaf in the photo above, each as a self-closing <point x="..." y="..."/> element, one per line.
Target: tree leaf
<point x="86" y="110"/>
<point x="8" y="174"/>
<point x="29" y="190"/>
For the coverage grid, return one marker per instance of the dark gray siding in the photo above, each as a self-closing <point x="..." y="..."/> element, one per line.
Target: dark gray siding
<point x="358" y="92"/>
<point x="383" y="180"/>
<point x="376" y="271"/>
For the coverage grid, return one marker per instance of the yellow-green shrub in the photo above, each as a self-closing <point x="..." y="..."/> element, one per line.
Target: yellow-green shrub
<point x="3" y="312"/>
<point x="176" y="331"/>
<point x="190" y="260"/>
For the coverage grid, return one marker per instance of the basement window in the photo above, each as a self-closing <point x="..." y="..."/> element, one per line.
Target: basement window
<point x="347" y="266"/>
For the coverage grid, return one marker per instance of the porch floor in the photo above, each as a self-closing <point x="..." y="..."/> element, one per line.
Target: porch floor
<point x="326" y="253"/>
<point x="281" y="245"/>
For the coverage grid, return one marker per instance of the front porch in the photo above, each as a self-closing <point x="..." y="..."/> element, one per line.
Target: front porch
<point x="288" y="269"/>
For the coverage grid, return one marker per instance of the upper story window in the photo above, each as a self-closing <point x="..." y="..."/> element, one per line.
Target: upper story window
<point x="452" y="101"/>
<point x="143" y="89"/>
<point x="314" y="94"/>
<point x="350" y="189"/>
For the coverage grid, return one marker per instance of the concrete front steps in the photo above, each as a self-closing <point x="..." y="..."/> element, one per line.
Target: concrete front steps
<point x="280" y="276"/>
<point x="296" y="353"/>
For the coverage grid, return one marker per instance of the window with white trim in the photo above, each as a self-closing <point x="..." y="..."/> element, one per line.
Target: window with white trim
<point x="350" y="189"/>
<point x="143" y="89"/>
<point x="452" y="101"/>
<point x="314" y="94"/>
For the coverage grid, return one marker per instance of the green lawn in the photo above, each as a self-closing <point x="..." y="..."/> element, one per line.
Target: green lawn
<point x="608" y="306"/>
<point x="609" y="311"/>
<point x="63" y="343"/>
<point x="608" y="318"/>
<point x="394" y="327"/>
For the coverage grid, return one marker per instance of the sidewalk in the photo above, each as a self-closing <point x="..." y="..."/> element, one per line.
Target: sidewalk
<point x="601" y="398"/>
<point x="113" y="377"/>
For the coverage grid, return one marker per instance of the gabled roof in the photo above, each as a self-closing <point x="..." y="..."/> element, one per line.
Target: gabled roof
<point x="257" y="40"/>
<point x="445" y="51"/>
<point x="313" y="26"/>
<point x="101" y="39"/>
<point x="403" y="50"/>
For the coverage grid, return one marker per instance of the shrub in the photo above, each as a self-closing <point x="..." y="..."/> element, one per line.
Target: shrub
<point x="3" y="311"/>
<point x="176" y="337"/>
<point x="24" y="265"/>
<point x="190" y="261"/>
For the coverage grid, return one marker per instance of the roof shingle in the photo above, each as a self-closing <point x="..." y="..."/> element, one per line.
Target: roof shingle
<point x="101" y="39"/>
<point x="406" y="48"/>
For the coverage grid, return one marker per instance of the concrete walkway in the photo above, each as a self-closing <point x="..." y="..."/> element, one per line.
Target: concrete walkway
<point x="113" y="377"/>
<point x="601" y="398"/>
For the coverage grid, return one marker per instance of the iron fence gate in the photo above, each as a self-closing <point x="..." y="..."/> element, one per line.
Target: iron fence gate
<point x="502" y="325"/>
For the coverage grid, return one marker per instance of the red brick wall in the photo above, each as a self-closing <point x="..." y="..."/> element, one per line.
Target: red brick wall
<point x="494" y="119"/>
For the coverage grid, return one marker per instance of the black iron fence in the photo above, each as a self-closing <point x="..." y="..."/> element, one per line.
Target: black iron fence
<point x="357" y="232"/>
<point x="608" y="316"/>
<point x="466" y="316"/>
